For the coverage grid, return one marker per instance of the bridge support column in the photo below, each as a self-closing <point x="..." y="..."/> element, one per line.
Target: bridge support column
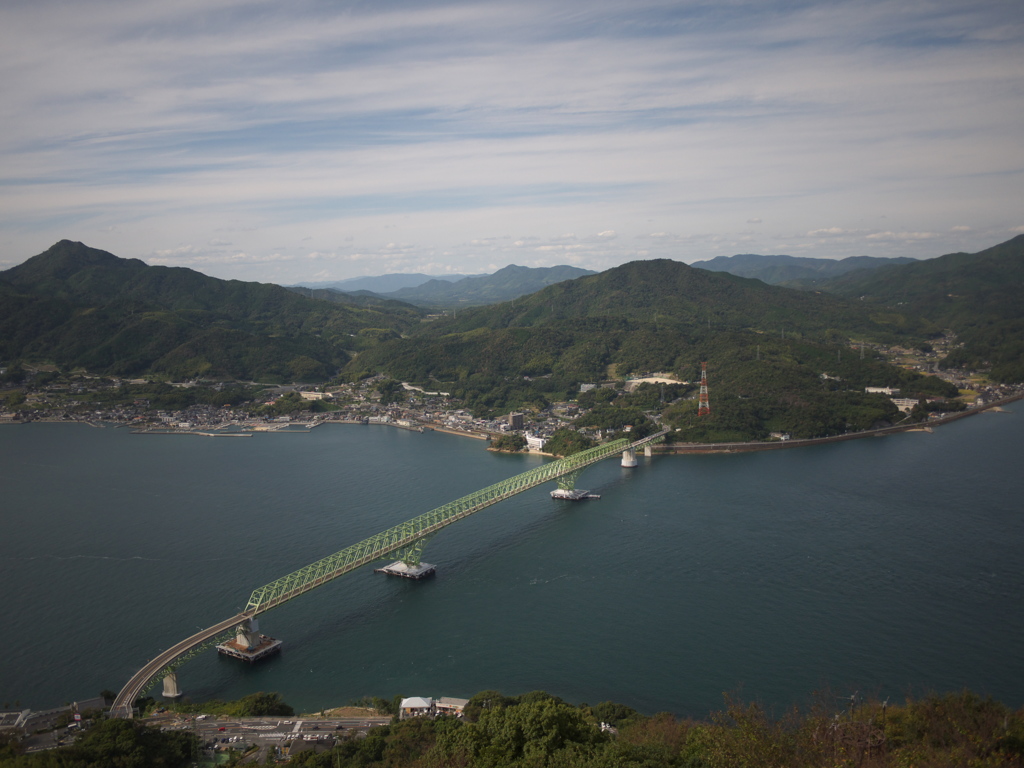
<point x="249" y="644"/>
<point x="171" y="690"/>
<point x="647" y="451"/>
<point x="629" y="458"/>
<point x="567" y="482"/>
<point x="247" y="634"/>
<point x="412" y="554"/>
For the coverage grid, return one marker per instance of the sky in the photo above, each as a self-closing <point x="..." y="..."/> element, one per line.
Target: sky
<point x="318" y="140"/>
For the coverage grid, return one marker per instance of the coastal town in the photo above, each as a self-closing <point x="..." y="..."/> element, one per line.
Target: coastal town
<point x="209" y="408"/>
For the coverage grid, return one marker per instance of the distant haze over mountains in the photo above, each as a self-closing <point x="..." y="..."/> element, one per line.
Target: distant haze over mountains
<point x="780" y="270"/>
<point x="513" y="281"/>
<point x="382" y="283"/>
<point x="445" y="291"/>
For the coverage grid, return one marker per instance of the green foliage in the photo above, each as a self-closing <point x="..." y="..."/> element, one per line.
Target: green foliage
<point x="15" y="374"/>
<point x="390" y="391"/>
<point x="653" y="397"/>
<point x="290" y="402"/>
<point x="509" y="442"/>
<point x="262" y="705"/>
<point x="113" y="744"/>
<point x="614" y="418"/>
<point x="567" y="441"/>
<point x="527" y="733"/>
<point x="538" y="729"/>
<point x="79" y="306"/>
<point x="767" y="348"/>
<point x="254" y="705"/>
<point x="597" y="396"/>
<point x="975" y="295"/>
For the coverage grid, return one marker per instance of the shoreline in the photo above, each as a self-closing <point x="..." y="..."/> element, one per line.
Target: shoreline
<point x="680" y="449"/>
<point x="684" y="449"/>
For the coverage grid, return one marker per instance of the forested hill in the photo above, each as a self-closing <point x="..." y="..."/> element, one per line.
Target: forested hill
<point x="672" y="294"/>
<point x="79" y="306"/>
<point x="979" y="296"/>
<point x="767" y="348"/>
<point x="786" y="270"/>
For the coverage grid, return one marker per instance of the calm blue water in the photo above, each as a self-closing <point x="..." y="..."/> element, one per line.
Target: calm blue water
<point x="887" y="565"/>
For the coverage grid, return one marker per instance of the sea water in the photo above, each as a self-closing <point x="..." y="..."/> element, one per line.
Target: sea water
<point x="886" y="565"/>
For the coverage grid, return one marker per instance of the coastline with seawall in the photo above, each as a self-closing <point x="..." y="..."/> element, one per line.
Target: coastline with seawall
<point x="698" y="448"/>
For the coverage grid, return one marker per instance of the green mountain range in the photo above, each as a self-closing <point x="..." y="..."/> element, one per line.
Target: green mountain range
<point x="767" y="349"/>
<point x="779" y="359"/>
<point x="793" y="270"/>
<point x="81" y="307"/>
<point x="978" y="296"/>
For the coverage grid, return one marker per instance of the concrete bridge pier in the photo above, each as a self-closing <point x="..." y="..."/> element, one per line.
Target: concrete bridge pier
<point x="247" y="634"/>
<point x="171" y="690"/>
<point x="629" y="458"/>
<point x="647" y="451"/>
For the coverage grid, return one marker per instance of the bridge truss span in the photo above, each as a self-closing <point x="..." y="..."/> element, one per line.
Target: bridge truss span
<point x="405" y="535"/>
<point x="406" y="539"/>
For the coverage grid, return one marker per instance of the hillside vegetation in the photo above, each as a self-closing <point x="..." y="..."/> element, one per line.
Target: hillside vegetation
<point x="538" y="729"/>
<point x="979" y="296"/>
<point x="767" y="346"/>
<point x="779" y="360"/>
<point x="77" y="306"/>
<point x="790" y="270"/>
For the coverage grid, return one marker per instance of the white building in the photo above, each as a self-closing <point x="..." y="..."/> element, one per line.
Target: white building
<point x="905" y="404"/>
<point x="415" y="706"/>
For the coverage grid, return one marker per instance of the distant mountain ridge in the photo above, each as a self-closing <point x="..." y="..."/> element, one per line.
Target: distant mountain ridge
<point x="979" y="295"/>
<point x="506" y="284"/>
<point x="767" y="349"/>
<point x="380" y="284"/>
<point x="80" y="306"/>
<point x="640" y="316"/>
<point x="785" y="270"/>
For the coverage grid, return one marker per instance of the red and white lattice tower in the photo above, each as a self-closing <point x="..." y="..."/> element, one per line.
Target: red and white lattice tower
<point x="704" y="408"/>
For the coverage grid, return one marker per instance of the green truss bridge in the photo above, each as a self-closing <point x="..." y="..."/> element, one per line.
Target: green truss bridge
<point x="404" y="541"/>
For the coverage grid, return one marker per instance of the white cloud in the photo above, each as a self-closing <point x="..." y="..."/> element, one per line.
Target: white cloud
<point x="902" y="236"/>
<point x="829" y="232"/>
<point x="442" y="126"/>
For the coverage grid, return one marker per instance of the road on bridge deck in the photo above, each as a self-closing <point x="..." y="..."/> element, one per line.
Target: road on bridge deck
<point x="133" y="688"/>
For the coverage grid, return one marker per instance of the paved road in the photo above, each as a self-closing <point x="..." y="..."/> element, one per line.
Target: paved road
<point x="268" y="733"/>
<point x="122" y="706"/>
